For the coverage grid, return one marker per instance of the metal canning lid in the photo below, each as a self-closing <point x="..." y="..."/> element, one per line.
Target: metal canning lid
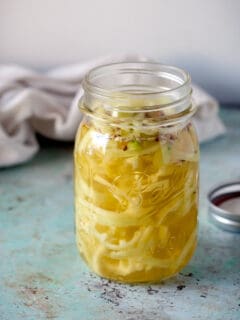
<point x="224" y="206"/>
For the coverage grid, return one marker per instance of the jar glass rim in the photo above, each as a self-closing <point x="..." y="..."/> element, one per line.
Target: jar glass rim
<point x="181" y="76"/>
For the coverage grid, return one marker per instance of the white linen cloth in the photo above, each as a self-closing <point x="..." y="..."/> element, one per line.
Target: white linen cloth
<point x="46" y="103"/>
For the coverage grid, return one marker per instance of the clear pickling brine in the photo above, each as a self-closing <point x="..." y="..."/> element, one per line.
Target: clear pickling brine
<point x="136" y="172"/>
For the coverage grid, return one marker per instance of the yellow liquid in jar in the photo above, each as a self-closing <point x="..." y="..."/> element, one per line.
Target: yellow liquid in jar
<point x="136" y="202"/>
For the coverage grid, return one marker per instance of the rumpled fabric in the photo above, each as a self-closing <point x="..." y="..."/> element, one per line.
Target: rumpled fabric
<point x="47" y="103"/>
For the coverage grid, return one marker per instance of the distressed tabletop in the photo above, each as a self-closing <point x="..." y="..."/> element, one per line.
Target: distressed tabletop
<point x="43" y="277"/>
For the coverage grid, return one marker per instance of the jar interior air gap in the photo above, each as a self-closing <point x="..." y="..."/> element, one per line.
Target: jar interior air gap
<point x="136" y="172"/>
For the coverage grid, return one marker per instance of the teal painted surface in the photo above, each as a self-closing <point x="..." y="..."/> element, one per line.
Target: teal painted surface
<point x="42" y="276"/>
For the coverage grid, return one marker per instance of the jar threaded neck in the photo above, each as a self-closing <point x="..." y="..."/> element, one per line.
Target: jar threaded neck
<point x="159" y="91"/>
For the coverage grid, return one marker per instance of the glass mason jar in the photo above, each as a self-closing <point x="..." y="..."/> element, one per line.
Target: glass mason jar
<point x="136" y="172"/>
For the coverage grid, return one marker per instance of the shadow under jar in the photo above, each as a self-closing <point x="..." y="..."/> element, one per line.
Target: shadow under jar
<point x="136" y="172"/>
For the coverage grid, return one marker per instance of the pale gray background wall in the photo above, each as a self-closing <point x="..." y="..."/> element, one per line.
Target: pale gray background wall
<point x="202" y="36"/>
